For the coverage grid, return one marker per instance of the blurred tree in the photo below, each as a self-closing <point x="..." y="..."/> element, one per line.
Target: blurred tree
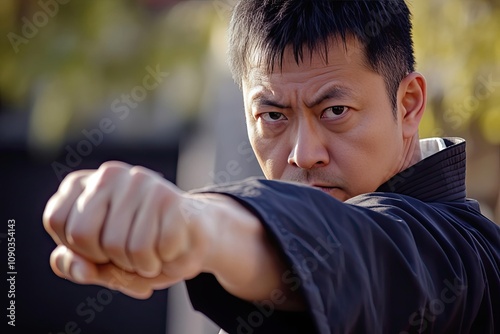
<point x="63" y="61"/>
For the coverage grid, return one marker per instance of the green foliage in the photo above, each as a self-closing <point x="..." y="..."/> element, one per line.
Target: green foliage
<point x="65" y="60"/>
<point x="458" y="50"/>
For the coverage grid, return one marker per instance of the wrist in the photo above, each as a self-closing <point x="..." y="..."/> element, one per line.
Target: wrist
<point x="217" y="217"/>
<point x="240" y="249"/>
<point x="205" y="218"/>
<point x="240" y="253"/>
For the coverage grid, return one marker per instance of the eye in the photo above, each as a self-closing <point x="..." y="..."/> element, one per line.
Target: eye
<point x="273" y="116"/>
<point x="334" y="112"/>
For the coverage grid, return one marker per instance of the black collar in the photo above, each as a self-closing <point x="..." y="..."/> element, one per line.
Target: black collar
<point x="437" y="178"/>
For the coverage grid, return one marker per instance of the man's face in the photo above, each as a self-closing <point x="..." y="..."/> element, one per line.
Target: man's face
<point x="326" y="124"/>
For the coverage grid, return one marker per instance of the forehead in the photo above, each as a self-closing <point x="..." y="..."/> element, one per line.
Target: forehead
<point x="336" y="55"/>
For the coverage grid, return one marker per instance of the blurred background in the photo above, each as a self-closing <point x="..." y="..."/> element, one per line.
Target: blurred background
<point x="145" y="82"/>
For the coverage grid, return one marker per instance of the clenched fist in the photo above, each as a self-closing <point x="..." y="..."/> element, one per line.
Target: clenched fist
<point x="128" y="229"/>
<point x="120" y="217"/>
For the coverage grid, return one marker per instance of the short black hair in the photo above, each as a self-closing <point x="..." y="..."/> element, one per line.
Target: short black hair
<point x="267" y="27"/>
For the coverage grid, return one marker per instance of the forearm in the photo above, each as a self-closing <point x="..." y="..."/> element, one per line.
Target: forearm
<point x="128" y="218"/>
<point x="244" y="259"/>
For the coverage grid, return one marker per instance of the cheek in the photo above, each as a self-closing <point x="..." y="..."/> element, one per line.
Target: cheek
<point x="386" y="155"/>
<point x="371" y="156"/>
<point x="271" y="155"/>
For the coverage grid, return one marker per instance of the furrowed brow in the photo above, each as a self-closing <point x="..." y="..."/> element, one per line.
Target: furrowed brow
<point x="332" y="92"/>
<point x="261" y="99"/>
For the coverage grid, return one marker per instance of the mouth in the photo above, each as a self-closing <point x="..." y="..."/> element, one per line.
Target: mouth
<point x="324" y="188"/>
<point x="334" y="191"/>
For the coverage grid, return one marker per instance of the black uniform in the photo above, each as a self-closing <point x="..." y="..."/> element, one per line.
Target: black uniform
<point x="415" y="256"/>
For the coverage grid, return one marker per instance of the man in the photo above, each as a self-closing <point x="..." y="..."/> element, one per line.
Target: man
<point x="370" y="233"/>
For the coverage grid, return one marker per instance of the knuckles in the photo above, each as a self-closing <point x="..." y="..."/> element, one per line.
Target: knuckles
<point x="108" y="173"/>
<point x="115" y="165"/>
<point x="71" y="182"/>
<point x="115" y="176"/>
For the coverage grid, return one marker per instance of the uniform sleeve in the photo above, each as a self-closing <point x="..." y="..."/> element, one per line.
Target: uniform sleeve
<point x="376" y="264"/>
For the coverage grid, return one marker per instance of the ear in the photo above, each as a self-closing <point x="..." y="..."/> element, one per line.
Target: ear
<point x="412" y="97"/>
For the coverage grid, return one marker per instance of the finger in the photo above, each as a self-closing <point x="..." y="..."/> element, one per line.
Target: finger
<point x="190" y="236"/>
<point x="117" y="231"/>
<point x="67" y="264"/>
<point x="87" y="217"/>
<point x="89" y="214"/>
<point x="144" y="236"/>
<point x="59" y="206"/>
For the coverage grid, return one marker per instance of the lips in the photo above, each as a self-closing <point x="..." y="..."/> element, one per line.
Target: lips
<point x="335" y="192"/>
<point x="324" y="188"/>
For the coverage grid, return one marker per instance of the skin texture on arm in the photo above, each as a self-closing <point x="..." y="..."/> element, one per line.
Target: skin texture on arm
<point x="124" y="220"/>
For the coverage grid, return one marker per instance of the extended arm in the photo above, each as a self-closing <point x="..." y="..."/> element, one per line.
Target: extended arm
<point x="123" y="219"/>
<point x="378" y="263"/>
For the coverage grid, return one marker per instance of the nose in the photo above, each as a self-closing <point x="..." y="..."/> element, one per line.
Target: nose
<point x="309" y="150"/>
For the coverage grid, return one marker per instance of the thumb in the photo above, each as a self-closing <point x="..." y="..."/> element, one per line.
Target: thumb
<point x="67" y="264"/>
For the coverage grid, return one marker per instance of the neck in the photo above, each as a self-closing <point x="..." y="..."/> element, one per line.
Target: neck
<point x="412" y="153"/>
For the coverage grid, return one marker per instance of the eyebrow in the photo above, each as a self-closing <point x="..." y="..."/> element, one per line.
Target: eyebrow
<point x="260" y="99"/>
<point x="332" y="92"/>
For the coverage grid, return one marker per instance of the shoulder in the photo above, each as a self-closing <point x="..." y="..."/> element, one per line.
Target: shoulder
<point x="459" y="218"/>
